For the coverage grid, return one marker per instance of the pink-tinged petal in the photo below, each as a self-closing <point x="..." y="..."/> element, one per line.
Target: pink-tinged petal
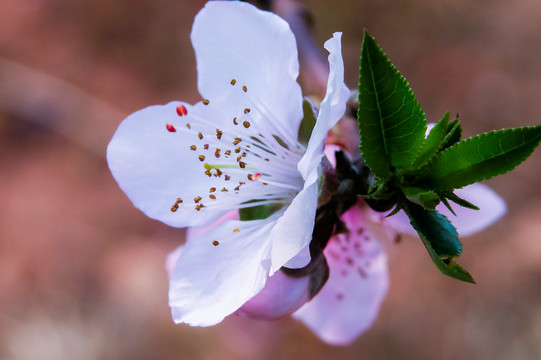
<point x="330" y="151"/>
<point x="219" y="271"/>
<point x="281" y="296"/>
<point x="332" y="107"/>
<point x="197" y="231"/>
<point x="467" y="222"/>
<point x="349" y="302"/>
<point x="399" y="223"/>
<point x="171" y="260"/>
<point x="155" y="166"/>
<point x="234" y="40"/>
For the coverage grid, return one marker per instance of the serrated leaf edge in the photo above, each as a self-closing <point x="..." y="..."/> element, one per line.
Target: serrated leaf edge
<point x="471" y="139"/>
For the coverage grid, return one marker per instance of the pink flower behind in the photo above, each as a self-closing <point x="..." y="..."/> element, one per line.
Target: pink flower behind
<point x="349" y="302"/>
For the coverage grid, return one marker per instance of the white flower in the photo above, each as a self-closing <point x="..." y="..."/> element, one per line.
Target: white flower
<point x="189" y="165"/>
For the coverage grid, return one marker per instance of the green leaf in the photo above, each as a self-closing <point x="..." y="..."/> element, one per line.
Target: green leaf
<point x="453" y="135"/>
<point x="432" y="143"/>
<point x="434" y="228"/>
<point x="427" y="199"/>
<point x="459" y="201"/>
<point x="392" y="124"/>
<point x="308" y="122"/>
<point x="478" y="158"/>
<point x="440" y="239"/>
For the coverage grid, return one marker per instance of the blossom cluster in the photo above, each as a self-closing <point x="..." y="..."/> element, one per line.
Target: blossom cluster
<point x="202" y="166"/>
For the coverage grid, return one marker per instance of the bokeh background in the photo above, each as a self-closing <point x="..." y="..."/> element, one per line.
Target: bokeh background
<point x="81" y="270"/>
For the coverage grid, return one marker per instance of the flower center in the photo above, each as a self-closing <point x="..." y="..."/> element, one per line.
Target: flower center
<point x="248" y="159"/>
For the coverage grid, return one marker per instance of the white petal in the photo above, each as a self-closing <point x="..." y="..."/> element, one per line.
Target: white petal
<point x="332" y="107"/>
<point x="235" y="40"/>
<point x="281" y="296"/>
<point x="467" y="222"/>
<point x="349" y="302"/>
<point x="210" y="281"/>
<point x="154" y="167"/>
<point x="293" y="231"/>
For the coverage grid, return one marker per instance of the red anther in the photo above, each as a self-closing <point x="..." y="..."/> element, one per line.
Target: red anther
<point x="255" y="176"/>
<point x="181" y="110"/>
<point x="170" y="127"/>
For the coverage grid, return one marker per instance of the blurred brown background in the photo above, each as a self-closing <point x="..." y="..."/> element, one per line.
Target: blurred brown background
<point x="81" y="270"/>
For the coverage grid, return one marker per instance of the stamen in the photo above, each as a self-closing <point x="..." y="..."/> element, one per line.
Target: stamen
<point x="227" y="178"/>
<point x="170" y="127"/>
<point x="235" y="121"/>
<point x="215" y="243"/>
<point x="175" y="205"/>
<point x="227" y="152"/>
<point x="242" y="164"/>
<point x="188" y="125"/>
<point x="213" y="197"/>
<point x="237" y="150"/>
<point x="249" y="177"/>
<point x="205" y="102"/>
<point x="246" y="124"/>
<point x="200" y="135"/>
<point x="233" y="82"/>
<point x="219" y="134"/>
<point x="247" y="110"/>
<point x="224" y="190"/>
<point x="236" y="230"/>
<point x="201" y="157"/>
<point x="212" y="189"/>
<point x="217" y="153"/>
<point x="244" y="88"/>
<point x="206" y="146"/>
<point x="197" y="199"/>
<point x="181" y="110"/>
<point x="193" y="147"/>
<point x="208" y="173"/>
